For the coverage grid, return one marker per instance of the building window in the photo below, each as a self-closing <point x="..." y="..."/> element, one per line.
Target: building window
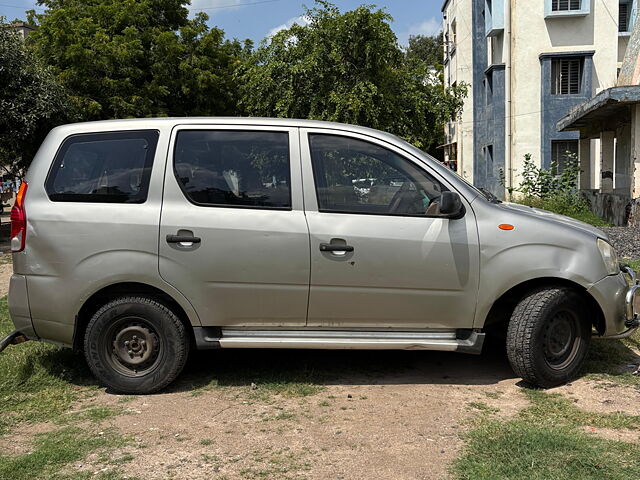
<point x="451" y="157"/>
<point x="562" y="152"/>
<point x="450" y="39"/>
<point x="566" y="76"/>
<point x="565" y="5"/>
<point x="624" y="17"/>
<point x="488" y="159"/>
<point x="566" y="8"/>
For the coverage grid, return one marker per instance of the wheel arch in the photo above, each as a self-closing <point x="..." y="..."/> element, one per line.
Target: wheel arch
<point x="109" y="292"/>
<point x="502" y="308"/>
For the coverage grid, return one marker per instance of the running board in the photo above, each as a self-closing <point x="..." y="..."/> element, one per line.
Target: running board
<point x="343" y="339"/>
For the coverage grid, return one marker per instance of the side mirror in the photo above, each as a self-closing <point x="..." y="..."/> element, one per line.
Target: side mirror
<point x="451" y="206"/>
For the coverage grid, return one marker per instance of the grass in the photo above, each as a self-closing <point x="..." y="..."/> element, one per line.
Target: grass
<point x="53" y="451"/>
<point x="632" y="262"/>
<point x="547" y="440"/>
<point x="609" y="360"/>
<point x="38" y="382"/>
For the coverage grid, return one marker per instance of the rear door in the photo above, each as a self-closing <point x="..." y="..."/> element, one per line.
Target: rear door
<point x="381" y="254"/>
<point x="233" y="235"/>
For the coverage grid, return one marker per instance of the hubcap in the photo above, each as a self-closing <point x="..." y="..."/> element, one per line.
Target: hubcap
<point x="134" y="347"/>
<point x="561" y="340"/>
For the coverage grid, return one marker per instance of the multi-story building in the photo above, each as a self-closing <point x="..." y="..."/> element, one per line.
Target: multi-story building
<point x="527" y="64"/>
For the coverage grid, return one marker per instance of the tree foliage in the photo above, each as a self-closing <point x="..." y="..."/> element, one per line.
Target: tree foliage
<point x="31" y="102"/>
<point x="137" y="58"/>
<point x="348" y="67"/>
<point x="426" y="49"/>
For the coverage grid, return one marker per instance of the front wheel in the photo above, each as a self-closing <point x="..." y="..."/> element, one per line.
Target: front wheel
<point x="548" y="336"/>
<point x="136" y="345"/>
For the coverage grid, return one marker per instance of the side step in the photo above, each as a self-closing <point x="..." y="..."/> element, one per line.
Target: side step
<point x="467" y="341"/>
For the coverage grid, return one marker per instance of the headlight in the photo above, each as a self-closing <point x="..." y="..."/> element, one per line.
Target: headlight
<point x="609" y="257"/>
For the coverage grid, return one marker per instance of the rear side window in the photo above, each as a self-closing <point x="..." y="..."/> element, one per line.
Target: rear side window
<point x="111" y="167"/>
<point x="232" y="168"/>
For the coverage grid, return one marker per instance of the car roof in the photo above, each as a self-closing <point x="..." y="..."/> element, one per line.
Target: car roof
<point x="169" y="122"/>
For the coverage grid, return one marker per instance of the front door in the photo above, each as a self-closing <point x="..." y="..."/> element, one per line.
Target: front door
<point x="233" y="235"/>
<point x="382" y="256"/>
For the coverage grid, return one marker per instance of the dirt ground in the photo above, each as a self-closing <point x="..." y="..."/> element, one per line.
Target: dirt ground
<point x="396" y="415"/>
<point x="402" y="422"/>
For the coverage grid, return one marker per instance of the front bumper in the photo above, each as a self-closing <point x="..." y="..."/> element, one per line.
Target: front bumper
<point x="619" y="299"/>
<point x="631" y="300"/>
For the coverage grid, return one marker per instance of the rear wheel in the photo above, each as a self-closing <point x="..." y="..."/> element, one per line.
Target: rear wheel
<point x="548" y="336"/>
<point x="136" y="345"/>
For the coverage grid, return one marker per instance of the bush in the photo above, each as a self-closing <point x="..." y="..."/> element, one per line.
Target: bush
<point x="546" y="189"/>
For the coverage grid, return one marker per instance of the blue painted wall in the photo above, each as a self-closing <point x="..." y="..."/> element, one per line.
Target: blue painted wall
<point x="488" y="109"/>
<point x="555" y="107"/>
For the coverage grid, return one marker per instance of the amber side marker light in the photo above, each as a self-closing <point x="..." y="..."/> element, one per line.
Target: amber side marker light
<point x="506" y="226"/>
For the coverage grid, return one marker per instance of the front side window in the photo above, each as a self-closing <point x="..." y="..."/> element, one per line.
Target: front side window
<point x="565" y="5"/>
<point x="111" y="167"/>
<point x="234" y="168"/>
<point x="566" y="76"/>
<point x="355" y="176"/>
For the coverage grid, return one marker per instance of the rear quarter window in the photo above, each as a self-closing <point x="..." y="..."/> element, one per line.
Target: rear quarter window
<point x="110" y="167"/>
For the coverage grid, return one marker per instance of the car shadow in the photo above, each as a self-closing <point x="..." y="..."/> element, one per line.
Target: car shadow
<point x="244" y="367"/>
<point x="613" y="357"/>
<point x="240" y="367"/>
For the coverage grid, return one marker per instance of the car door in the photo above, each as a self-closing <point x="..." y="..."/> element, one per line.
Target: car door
<point x="233" y="235"/>
<point x="381" y="254"/>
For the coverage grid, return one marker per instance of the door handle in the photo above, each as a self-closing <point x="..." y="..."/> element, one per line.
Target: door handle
<point x="182" y="239"/>
<point x="335" y="247"/>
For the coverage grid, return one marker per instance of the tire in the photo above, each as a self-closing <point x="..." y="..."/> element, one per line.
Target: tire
<point x="136" y="345"/>
<point x="548" y="336"/>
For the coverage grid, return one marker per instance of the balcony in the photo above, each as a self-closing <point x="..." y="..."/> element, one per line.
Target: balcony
<point x="494" y="17"/>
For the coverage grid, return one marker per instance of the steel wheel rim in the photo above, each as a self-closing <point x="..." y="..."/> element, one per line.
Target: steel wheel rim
<point x="561" y="340"/>
<point x="133" y="347"/>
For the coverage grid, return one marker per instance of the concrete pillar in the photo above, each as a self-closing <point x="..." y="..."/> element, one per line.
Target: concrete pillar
<point x="607" y="149"/>
<point x="623" y="164"/>
<point x="585" y="164"/>
<point x="595" y="161"/>
<point x="635" y="151"/>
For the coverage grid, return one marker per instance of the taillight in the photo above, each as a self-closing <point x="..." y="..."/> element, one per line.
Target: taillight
<point x="19" y="221"/>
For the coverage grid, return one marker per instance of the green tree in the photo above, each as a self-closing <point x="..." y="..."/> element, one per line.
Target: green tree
<point x="31" y="102"/>
<point x="348" y="67"/>
<point x="428" y="49"/>
<point x="137" y="58"/>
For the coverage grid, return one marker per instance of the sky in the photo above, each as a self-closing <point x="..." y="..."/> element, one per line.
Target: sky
<point x="256" y="19"/>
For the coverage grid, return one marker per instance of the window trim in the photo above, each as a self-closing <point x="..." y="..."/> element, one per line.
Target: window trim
<point x="234" y="129"/>
<point x="585" y="9"/>
<point x="86" y="198"/>
<point x="372" y="141"/>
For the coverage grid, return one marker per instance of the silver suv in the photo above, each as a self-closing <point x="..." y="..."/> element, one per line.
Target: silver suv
<point x="139" y="240"/>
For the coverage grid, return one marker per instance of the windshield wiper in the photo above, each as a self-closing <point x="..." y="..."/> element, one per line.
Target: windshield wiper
<point x="490" y="196"/>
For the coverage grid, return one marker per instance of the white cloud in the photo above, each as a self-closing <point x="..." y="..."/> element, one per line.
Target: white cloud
<point x="431" y="26"/>
<point x="299" y="20"/>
